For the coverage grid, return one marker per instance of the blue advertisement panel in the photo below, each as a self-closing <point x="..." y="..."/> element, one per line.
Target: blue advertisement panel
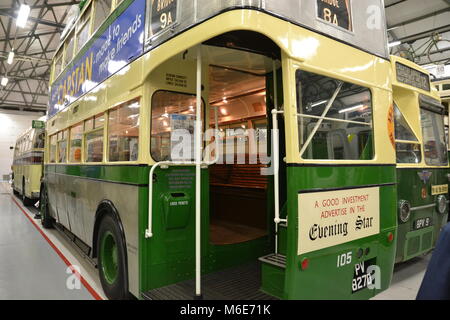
<point x="120" y="43"/>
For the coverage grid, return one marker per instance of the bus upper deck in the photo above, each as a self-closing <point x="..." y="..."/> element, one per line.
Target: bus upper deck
<point x="318" y="207"/>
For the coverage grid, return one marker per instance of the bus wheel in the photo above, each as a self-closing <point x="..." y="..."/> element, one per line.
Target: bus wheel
<point x="111" y="259"/>
<point x="26" y="201"/>
<point x="46" y="218"/>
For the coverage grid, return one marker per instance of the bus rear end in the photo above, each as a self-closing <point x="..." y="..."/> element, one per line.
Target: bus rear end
<point x="340" y="235"/>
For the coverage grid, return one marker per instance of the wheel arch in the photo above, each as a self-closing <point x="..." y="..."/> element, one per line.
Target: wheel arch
<point x="104" y="208"/>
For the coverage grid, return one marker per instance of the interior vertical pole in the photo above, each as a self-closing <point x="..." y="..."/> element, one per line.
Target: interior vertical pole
<point x="198" y="159"/>
<point x="275" y="150"/>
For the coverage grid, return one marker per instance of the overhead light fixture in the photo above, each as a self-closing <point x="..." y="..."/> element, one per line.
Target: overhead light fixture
<point x="224" y="111"/>
<point x="316" y="104"/>
<point x="4" y="81"/>
<point x="358" y="107"/>
<point x="394" y="44"/>
<point x="224" y="100"/>
<point x="10" y="57"/>
<point x="22" y="17"/>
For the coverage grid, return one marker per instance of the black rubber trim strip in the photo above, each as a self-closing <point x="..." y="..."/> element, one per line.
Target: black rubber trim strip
<point x="99" y="180"/>
<point x="422" y="168"/>
<point x="338" y="165"/>
<point x="348" y="188"/>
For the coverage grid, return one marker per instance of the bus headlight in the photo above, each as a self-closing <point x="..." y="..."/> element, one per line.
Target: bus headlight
<point x="442" y="204"/>
<point x="404" y="210"/>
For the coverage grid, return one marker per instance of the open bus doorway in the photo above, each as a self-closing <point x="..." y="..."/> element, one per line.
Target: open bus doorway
<point x="237" y="193"/>
<point x="241" y="81"/>
<point x="238" y="189"/>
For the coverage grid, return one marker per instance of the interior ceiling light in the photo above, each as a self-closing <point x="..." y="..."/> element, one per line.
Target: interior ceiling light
<point x="10" y="57"/>
<point x="4" y="81"/>
<point x="394" y="44"/>
<point x="359" y="107"/>
<point x="22" y="17"/>
<point x="224" y="111"/>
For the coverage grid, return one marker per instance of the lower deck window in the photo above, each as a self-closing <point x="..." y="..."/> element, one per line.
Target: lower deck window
<point x="123" y="132"/>
<point x="53" y="140"/>
<point x="435" y="147"/>
<point x="172" y="111"/>
<point x="76" y="139"/>
<point x="408" y="148"/>
<point x="334" y="119"/>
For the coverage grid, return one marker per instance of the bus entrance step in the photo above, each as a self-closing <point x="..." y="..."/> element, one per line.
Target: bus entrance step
<point x="275" y="260"/>
<point x="238" y="283"/>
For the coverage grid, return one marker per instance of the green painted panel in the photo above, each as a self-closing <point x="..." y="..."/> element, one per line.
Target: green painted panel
<point x="323" y="279"/>
<point x="410" y="188"/>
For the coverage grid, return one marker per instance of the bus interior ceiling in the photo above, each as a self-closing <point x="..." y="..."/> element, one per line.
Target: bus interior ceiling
<point x="238" y="191"/>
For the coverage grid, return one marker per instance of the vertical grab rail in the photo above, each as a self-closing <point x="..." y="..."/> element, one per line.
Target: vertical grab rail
<point x="198" y="163"/>
<point x="276" y="156"/>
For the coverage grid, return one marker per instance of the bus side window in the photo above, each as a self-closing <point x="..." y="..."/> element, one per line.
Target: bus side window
<point x="38" y="142"/>
<point x="94" y="138"/>
<point x="53" y="140"/>
<point x="83" y="28"/>
<point x="167" y="106"/>
<point x="333" y="132"/>
<point x="408" y="148"/>
<point x="76" y="138"/>
<point x="102" y="10"/>
<point x="58" y="64"/>
<point x="123" y="132"/>
<point x="62" y="146"/>
<point x="69" y="49"/>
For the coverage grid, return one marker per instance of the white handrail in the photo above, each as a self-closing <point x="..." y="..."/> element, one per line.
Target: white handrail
<point x="198" y="163"/>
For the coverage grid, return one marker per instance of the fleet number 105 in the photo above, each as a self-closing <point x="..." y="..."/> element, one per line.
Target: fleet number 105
<point x="344" y="259"/>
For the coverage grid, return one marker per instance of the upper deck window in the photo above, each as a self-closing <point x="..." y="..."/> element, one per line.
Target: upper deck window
<point x="69" y="49"/>
<point x="39" y="139"/>
<point x="334" y="118"/>
<point x="102" y="9"/>
<point x="58" y="63"/>
<point x="83" y="28"/>
<point x="433" y="137"/>
<point x="407" y="145"/>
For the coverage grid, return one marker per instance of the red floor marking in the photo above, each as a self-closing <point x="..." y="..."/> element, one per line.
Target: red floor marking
<point x="60" y="254"/>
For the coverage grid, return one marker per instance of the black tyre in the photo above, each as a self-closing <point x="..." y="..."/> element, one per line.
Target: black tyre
<point x="112" y="264"/>
<point x="47" y="220"/>
<point x="27" y="202"/>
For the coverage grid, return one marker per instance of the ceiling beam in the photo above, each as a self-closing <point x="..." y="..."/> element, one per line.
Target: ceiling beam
<point x="11" y="14"/>
<point x="394" y="3"/>
<point x="425" y="34"/>
<point x="428" y="15"/>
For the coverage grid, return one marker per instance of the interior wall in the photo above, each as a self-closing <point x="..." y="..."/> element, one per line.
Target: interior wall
<point x="12" y="124"/>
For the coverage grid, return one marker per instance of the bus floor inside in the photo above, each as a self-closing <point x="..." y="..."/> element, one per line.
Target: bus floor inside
<point x="237" y="283"/>
<point x="224" y="232"/>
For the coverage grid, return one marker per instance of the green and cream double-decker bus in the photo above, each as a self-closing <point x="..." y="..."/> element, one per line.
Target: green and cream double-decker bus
<point x="28" y="162"/>
<point x="422" y="160"/>
<point x="226" y="149"/>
